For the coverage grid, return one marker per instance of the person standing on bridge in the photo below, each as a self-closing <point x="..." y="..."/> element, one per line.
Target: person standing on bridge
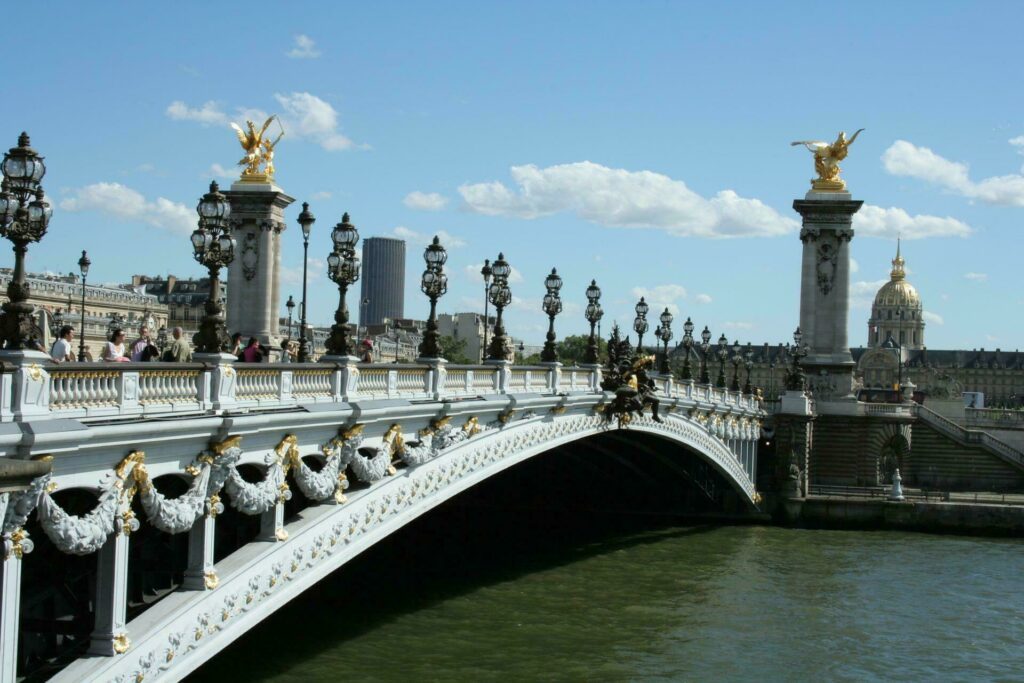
<point x="138" y="347"/>
<point x="178" y="351"/>
<point x="61" y="351"/>
<point x="252" y="352"/>
<point x="113" y="350"/>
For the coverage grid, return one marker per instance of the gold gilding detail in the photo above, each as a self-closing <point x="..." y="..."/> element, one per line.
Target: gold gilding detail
<point x="826" y="161"/>
<point x="35" y="372"/>
<point x="212" y="503"/>
<point x="211" y="580"/>
<point x="130" y="460"/>
<point x="259" y="151"/>
<point x="472" y="426"/>
<point x="506" y="415"/>
<point x="221" y="447"/>
<point x="281" y="534"/>
<point x="121" y="643"/>
<point x="17" y="537"/>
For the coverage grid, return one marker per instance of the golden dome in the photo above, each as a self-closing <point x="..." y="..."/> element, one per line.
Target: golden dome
<point x="897" y="291"/>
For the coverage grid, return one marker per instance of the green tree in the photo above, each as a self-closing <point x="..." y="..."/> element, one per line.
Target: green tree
<point x="573" y="349"/>
<point x="454" y="350"/>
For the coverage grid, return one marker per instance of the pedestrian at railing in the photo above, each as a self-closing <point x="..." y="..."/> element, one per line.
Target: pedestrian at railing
<point x="178" y="351"/>
<point x="113" y="350"/>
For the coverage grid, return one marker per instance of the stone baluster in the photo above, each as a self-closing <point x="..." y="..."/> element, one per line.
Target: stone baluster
<point x="437" y="375"/>
<point x="504" y="372"/>
<point x="554" y="377"/>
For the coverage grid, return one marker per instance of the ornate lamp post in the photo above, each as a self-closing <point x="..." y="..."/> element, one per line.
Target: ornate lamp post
<point x="56" y="322"/>
<point x="552" y="306"/>
<point x="593" y="315"/>
<point x="736" y="361"/>
<point x="486" y="273"/>
<point x="343" y="269"/>
<point x="705" y="349"/>
<point x="501" y="296"/>
<point x="687" y="347"/>
<point x="83" y="268"/>
<point x="24" y="217"/>
<point x="117" y="322"/>
<point x="306" y="220"/>
<point x="796" y="380"/>
<point x="723" y="355"/>
<point x="666" y="336"/>
<point x="213" y="247"/>
<point x="640" y="325"/>
<point x="434" y="284"/>
<point x="161" y="339"/>
<point x="290" y="305"/>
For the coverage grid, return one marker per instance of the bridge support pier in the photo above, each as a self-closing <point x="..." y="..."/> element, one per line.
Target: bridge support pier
<point x="109" y="637"/>
<point x="200" y="574"/>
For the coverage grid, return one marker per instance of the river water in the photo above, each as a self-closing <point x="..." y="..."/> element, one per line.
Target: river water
<point x="471" y="595"/>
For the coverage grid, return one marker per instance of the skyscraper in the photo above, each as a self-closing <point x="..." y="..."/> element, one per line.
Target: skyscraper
<point x="383" y="289"/>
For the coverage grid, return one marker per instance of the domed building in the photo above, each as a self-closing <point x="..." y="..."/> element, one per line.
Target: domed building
<point x="897" y="311"/>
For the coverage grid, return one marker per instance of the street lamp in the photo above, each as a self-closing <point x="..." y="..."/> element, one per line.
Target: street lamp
<point x="796" y="379"/>
<point x="522" y="352"/>
<point x="593" y="315"/>
<point x="161" y="339"/>
<point x="705" y="349"/>
<point x="723" y="355"/>
<point x="748" y="364"/>
<point x="56" y="322"/>
<point x="486" y="273"/>
<point x="83" y="268"/>
<point x="501" y="296"/>
<point x="117" y="322"/>
<point x="666" y="336"/>
<point x="687" y="347"/>
<point x="434" y="284"/>
<point x="343" y="269"/>
<point x="24" y="217"/>
<point x="306" y="220"/>
<point x="290" y="305"/>
<point x="640" y="324"/>
<point x="213" y="247"/>
<point x="736" y="360"/>
<point x="552" y="306"/>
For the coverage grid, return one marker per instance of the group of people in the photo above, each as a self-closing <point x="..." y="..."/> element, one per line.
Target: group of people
<point x="114" y="350"/>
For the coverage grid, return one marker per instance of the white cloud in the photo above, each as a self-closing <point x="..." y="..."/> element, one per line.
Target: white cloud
<point x="322" y="194"/>
<point x="307" y="116"/>
<point x="862" y="292"/>
<point x="448" y="241"/>
<point x="854" y="266"/>
<point x="209" y="114"/>
<point x="933" y="318"/>
<point x="661" y="297"/>
<point x="145" y="168"/>
<point x="425" y="201"/>
<point x="125" y="204"/>
<point x="621" y="198"/>
<point x="304" y="48"/>
<point x="218" y="171"/>
<point x="702" y="298"/>
<point x="738" y="325"/>
<point x="874" y="221"/>
<point x="292" y="275"/>
<point x="976" y="277"/>
<point x="1018" y="142"/>
<point x="906" y="159"/>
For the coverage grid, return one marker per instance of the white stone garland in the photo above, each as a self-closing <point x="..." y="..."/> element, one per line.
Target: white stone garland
<point x="330" y="480"/>
<point x="379" y="465"/>
<point x="175" y="515"/>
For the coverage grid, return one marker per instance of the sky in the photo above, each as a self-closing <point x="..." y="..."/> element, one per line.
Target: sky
<point x="644" y="144"/>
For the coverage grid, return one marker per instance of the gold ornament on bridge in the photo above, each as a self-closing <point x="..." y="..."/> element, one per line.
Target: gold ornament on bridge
<point x="259" y="150"/>
<point x="826" y="161"/>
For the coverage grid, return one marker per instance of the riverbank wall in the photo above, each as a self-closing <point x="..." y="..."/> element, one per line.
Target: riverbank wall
<point x="932" y="516"/>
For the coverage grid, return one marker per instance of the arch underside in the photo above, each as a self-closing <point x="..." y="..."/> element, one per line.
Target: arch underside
<point x="186" y="628"/>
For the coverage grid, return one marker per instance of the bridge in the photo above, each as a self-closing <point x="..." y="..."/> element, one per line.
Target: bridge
<point x="206" y="462"/>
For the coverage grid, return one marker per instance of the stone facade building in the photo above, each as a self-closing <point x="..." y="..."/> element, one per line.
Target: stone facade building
<point x="184" y="299"/>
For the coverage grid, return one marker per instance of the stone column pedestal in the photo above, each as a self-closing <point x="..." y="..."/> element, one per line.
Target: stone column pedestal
<point x="253" y="293"/>
<point x="825" y="291"/>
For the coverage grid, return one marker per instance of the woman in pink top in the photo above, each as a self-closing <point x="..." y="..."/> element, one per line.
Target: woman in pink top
<point x="252" y="353"/>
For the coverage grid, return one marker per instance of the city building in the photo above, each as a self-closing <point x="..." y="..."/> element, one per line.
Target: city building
<point x="105" y="305"/>
<point x="382" y="293"/>
<point x="465" y="326"/>
<point x="185" y="299"/>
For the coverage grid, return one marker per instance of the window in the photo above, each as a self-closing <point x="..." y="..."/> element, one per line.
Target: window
<point x="889" y="314"/>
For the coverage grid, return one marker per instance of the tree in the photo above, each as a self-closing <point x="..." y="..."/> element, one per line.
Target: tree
<point x="454" y="350"/>
<point x="573" y="349"/>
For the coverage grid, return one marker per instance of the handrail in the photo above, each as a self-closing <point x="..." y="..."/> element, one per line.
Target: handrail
<point x="973" y="436"/>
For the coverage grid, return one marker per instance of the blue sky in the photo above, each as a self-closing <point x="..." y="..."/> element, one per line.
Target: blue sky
<point x="644" y="144"/>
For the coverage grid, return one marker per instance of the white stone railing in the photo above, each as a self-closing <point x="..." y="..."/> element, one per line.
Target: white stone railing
<point x="140" y="389"/>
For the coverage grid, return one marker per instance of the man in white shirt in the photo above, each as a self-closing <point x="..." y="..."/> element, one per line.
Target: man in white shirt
<point x="61" y="351"/>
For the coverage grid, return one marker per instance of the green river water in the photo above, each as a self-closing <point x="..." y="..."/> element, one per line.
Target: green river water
<point x="471" y="595"/>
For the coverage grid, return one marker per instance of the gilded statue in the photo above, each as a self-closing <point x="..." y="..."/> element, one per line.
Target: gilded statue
<point x="259" y="149"/>
<point x="826" y="161"/>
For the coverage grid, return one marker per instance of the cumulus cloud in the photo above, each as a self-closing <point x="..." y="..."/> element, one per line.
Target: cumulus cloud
<point x="621" y="198"/>
<point x="473" y="273"/>
<point x="907" y="159"/>
<point x="862" y="292"/>
<point x="292" y="275"/>
<point x="933" y="318"/>
<point x="738" y="325"/>
<point x="425" y="201"/>
<point x="304" y="48"/>
<point x="702" y="298"/>
<point x="218" y="171"/>
<point x="128" y="205"/>
<point x="874" y="221"/>
<point x="661" y="297"/>
<point x="448" y="240"/>
<point x="976" y="277"/>
<point x="304" y="116"/>
<point x="322" y="194"/>
<point x="854" y="266"/>
<point x="209" y="114"/>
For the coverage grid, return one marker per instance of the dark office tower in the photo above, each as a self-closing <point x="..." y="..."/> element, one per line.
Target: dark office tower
<point x="383" y="278"/>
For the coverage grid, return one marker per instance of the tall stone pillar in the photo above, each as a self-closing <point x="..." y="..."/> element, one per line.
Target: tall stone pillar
<point x="825" y="290"/>
<point x="257" y="221"/>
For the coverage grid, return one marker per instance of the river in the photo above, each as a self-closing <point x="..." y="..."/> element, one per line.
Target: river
<point x="475" y="595"/>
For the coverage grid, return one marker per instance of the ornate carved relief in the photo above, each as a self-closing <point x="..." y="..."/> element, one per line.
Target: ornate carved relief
<point x="250" y="255"/>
